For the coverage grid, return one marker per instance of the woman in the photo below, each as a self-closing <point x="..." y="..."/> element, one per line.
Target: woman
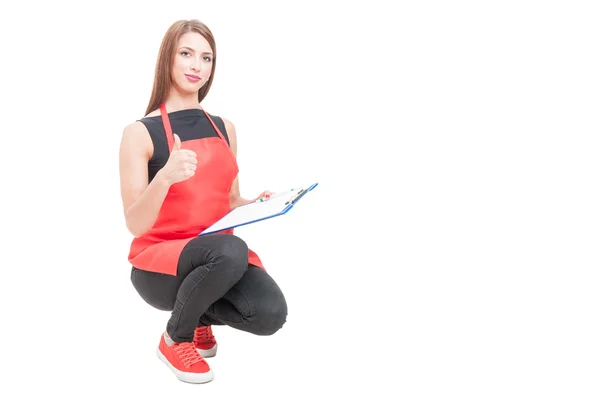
<point x="178" y="176"/>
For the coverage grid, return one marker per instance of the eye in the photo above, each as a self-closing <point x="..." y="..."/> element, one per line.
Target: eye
<point x="184" y="52"/>
<point x="208" y="59"/>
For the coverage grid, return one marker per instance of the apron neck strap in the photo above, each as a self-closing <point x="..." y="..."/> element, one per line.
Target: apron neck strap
<point x="167" y="124"/>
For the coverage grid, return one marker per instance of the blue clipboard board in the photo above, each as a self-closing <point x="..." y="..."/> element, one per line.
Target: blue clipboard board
<point x="253" y="212"/>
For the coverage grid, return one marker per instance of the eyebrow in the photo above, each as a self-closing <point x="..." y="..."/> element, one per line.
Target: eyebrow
<point x="192" y="50"/>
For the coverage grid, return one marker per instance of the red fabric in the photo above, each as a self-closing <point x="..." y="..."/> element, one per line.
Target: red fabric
<point x="204" y="338"/>
<point x="190" y="206"/>
<point x="185" y="358"/>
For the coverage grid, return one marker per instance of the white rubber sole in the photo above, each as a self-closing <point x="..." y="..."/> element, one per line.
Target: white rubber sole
<point x="208" y="353"/>
<point x="195" y="378"/>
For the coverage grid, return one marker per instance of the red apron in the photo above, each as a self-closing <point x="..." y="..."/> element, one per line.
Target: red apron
<point x="190" y="206"/>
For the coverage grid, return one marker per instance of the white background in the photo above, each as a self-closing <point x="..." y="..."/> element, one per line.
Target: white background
<point x="450" y="249"/>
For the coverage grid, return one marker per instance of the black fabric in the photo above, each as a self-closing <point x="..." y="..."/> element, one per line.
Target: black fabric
<point x="188" y="124"/>
<point x="214" y="285"/>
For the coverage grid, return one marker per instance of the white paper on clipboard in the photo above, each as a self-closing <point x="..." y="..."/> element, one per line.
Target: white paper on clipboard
<point x="278" y="204"/>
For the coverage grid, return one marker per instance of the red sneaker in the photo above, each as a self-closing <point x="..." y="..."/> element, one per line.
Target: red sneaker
<point x="184" y="361"/>
<point x="205" y="342"/>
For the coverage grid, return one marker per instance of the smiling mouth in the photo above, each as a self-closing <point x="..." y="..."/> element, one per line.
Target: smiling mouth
<point x="192" y="78"/>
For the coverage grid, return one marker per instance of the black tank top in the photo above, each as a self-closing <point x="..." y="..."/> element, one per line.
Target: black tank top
<point x="188" y="124"/>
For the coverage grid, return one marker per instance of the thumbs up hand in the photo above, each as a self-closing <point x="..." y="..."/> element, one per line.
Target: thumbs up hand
<point x="177" y="144"/>
<point x="181" y="164"/>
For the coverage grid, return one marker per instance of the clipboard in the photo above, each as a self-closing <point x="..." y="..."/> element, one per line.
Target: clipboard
<point x="279" y="204"/>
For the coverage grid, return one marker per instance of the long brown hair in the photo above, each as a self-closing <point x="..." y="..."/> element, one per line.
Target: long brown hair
<point x="166" y="56"/>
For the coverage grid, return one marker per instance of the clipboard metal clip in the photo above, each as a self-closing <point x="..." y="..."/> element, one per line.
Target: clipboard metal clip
<point x="295" y="198"/>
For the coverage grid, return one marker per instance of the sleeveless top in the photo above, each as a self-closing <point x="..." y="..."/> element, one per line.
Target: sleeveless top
<point x="191" y="205"/>
<point x="188" y="124"/>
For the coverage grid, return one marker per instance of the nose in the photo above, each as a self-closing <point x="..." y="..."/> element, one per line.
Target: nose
<point x="195" y="65"/>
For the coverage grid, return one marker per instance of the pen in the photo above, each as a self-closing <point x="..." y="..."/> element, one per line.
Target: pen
<point x="274" y="196"/>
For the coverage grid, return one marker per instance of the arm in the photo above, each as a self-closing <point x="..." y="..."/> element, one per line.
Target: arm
<point x="235" y="199"/>
<point x="141" y="201"/>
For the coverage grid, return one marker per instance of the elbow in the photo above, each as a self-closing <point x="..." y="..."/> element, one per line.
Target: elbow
<point x="235" y="201"/>
<point x="135" y="230"/>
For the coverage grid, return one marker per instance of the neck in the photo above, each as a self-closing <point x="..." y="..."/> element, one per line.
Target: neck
<point x="177" y="101"/>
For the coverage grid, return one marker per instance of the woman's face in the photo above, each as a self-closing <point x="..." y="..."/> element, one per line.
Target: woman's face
<point x="193" y="62"/>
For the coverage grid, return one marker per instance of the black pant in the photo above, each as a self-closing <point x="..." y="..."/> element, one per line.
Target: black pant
<point x="214" y="285"/>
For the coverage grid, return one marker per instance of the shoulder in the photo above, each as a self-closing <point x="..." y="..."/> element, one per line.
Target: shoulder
<point x="231" y="134"/>
<point x="136" y="135"/>
<point x="135" y="129"/>
<point x="230" y="127"/>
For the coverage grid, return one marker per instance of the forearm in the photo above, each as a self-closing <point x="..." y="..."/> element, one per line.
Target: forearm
<point x="238" y="201"/>
<point x="142" y="214"/>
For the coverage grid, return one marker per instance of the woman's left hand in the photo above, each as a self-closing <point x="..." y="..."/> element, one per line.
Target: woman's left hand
<point x="264" y="196"/>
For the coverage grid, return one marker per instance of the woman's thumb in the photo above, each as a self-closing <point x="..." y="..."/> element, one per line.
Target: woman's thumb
<point x="177" y="144"/>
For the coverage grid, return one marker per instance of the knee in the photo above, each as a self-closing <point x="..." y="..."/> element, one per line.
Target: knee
<point x="146" y="285"/>
<point x="234" y="252"/>
<point x="232" y="255"/>
<point x="233" y="248"/>
<point x="270" y="316"/>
